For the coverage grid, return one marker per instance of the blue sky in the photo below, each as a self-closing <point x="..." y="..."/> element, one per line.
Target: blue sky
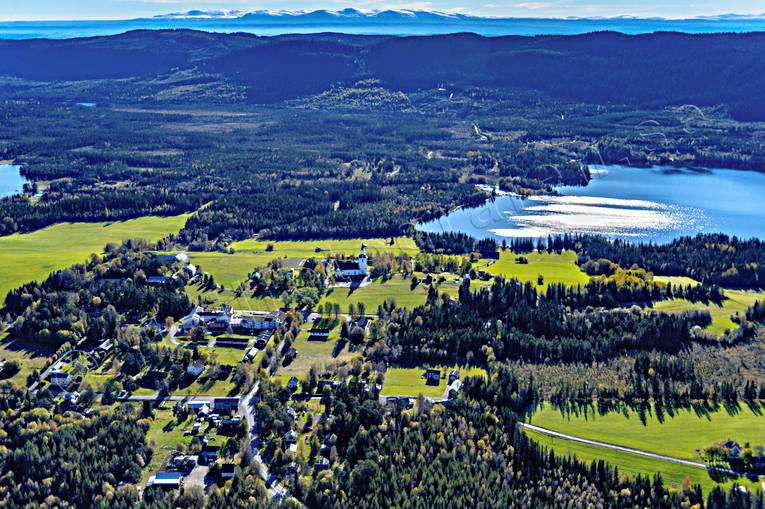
<point x="125" y="9"/>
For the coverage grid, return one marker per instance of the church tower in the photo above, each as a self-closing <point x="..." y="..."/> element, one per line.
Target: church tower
<point x="363" y="259"/>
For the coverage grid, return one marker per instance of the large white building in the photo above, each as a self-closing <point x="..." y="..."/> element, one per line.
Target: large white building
<point x="350" y="268"/>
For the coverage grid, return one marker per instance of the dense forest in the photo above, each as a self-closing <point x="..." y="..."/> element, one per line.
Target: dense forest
<point x="328" y="137"/>
<point x="603" y="67"/>
<point x="467" y="453"/>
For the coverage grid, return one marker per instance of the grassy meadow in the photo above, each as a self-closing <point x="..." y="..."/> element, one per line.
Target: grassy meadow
<point x="316" y="352"/>
<point x="556" y="268"/>
<point x="634" y="465"/>
<point x="409" y="381"/>
<point x="231" y="269"/>
<point x="737" y="301"/>
<point x="32" y="256"/>
<point x="678" y="435"/>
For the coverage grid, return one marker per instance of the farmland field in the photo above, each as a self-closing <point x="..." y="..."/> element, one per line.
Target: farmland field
<point x="554" y="267"/>
<point x="635" y="465"/>
<point x="408" y="381"/>
<point x="316" y="352"/>
<point x="32" y="256"/>
<point x="231" y="269"/>
<point x="30" y="357"/>
<point x="396" y="288"/>
<point x="678" y="435"/>
<point x="737" y="301"/>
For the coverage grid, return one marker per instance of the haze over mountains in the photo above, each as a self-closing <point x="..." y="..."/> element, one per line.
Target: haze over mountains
<point x="387" y="22"/>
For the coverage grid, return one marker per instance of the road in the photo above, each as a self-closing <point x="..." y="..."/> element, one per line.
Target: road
<point x="629" y="450"/>
<point x="247" y="407"/>
<point x="157" y="397"/>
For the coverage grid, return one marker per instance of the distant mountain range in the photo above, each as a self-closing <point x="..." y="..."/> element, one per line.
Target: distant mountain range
<point x="386" y="22"/>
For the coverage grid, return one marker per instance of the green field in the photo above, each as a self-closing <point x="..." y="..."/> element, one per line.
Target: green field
<point x="737" y="301"/>
<point x="556" y="268"/>
<point x="231" y="269"/>
<point x="32" y="256"/>
<point x="30" y="356"/>
<point x="397" y="288"/>
<point x="634" y="464"/>
<point x="679" y="435"/>
<point x="316" y="352"/>
<point x="164" y="434"/>
<point x="227" y="296"/>
<point x="408" y="381"/>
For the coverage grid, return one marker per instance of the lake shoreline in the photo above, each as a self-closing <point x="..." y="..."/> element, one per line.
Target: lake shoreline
<point x="620" y="202"/>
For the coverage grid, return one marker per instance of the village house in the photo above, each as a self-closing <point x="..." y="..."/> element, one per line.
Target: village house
<point x="183" y="463"/>
<point x="433" y="376"/>
<point x="316" y="334"/>
<point x="227" y="470"/>
<point x="196" y="368"/>
<point x="350" y="268"/>
<point x="258" y="322"/>
<point x="322" y="464"/>
<point x="291" y="436"/>
<point x="290" y="355"/>
<point x="201" y="407"/>
<point x="360" y="322"/>
<point x="60" y="379"/>
<point x="293" y="383"/>
<point x="225" y="405"/>
<point x="229" y="425"/>
<point x="262" y="339"/>
<point x="165" y="480"/>
<point x="105" y="346"/>
<point x="453" y="375"/>
<point x="158" y="280"/>
<point x="291" y="412"/>
<point x="209" y="453"/>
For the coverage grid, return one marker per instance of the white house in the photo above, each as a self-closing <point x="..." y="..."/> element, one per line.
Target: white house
<point x="349" y="268"/>
<point x="196" y="368"/>
<point x="192" y="321"/>
<point x="60" y="379"/>
<point x="272" y="320"/>
<point x="181" y="257"/>
<point x="191" y="270"/>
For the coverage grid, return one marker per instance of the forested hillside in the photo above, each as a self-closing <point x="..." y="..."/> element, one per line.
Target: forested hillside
<point x="604" y="67"/>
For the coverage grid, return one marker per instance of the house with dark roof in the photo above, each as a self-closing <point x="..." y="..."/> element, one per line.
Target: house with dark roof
<point x="60" y="379"/>
<point x="290" y="355"/>
<point x="322" y="464"/>
<point x="227" y="470"/>
<point x="225" y="404"/>
<point x="432" y="376"/>
<point x="320" y="334"/>
<point x="158" y="280"/>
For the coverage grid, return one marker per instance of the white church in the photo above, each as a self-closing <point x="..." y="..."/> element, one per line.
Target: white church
<point x="350" y="268"/>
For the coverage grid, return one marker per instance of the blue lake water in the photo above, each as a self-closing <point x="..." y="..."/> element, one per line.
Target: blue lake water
<point x="11" y="181"/>
<point x="637" y="204"/>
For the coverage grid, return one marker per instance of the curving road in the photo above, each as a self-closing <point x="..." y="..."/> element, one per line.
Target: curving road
<point x="629" y="450"/>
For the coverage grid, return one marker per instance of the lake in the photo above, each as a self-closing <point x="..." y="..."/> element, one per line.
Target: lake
<point x="11" y="182"/>
<point x="637" y="204"/>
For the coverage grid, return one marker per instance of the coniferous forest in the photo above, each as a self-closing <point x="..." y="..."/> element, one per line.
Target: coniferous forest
<point x="299" y="386"/>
